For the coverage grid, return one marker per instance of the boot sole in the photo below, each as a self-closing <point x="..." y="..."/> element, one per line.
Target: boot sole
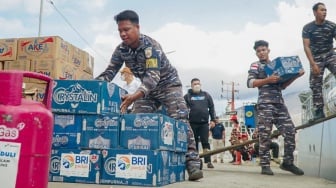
<point x="299" y="174"/>
<point x="196" y="176"/>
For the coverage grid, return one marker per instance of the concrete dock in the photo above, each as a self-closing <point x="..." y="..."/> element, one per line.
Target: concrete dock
<point x="227" y="175"/>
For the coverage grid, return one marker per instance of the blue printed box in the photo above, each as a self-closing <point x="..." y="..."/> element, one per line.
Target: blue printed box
<point x="86" y="97"/>
<point x="181" y="137"/>
<point x="136" y="167"/>
<point x="67" y="131"/>
<point x="100" y="131"/>
<point x="177" y="167"/>
<point x="147" y="131"/>
<point x="285" y="67"/>
<point x="75" y="166"/>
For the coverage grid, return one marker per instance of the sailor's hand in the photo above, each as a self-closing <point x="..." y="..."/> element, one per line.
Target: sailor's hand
<point x="127" y="100"/>
<point x="273" y="78"/>
<point x="315" y="69"/>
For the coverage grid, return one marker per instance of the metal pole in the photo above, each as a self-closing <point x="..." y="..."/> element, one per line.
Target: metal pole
<point x="303" y="126"/>
<point x="40" y="18"/>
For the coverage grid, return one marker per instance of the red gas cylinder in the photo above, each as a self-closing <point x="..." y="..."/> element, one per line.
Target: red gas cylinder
<point x="25" y="133"/>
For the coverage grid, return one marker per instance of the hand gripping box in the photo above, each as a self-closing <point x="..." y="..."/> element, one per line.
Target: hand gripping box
<point x="86" y="97"/>
<point x="150" y="168"/>
<point x="285" y="67"/>
<point x="149" y="131"/>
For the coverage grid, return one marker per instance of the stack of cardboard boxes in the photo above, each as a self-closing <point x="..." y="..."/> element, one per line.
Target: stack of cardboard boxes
<point x="94" y="143"/>
<point x="49" y="55"/>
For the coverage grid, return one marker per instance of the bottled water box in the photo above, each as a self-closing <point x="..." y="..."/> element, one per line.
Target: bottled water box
<point x="86" y="97"/>
<point x="285" y="67"/>
<point x="147" y="131"/>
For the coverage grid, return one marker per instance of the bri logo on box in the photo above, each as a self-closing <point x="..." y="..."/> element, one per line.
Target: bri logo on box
<point x="123" y="163"/>
<point x="131" y="162"/>
<point x="68" y="161"/>
<point x="75" y="161"/>
<point x="75" y="94"/>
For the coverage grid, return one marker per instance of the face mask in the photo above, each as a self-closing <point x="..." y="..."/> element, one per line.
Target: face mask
<point x="196" y="88"/>
<point x="123" y="77"/>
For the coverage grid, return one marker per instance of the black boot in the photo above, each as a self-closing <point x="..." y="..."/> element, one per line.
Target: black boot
<point x="266" y="170"/>
<point x="292" y="168"/>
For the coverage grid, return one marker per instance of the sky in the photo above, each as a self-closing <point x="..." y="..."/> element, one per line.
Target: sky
<point x="211" y="40"/>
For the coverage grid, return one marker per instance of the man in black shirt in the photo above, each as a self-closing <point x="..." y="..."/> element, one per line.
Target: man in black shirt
<point x="200" y="106"/>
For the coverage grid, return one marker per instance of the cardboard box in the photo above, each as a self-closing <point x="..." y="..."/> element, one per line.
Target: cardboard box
<point x="149" y="131"/>
<point x="49" y="47"/>
<point x="21" y="65"/>
<point x="38" y="88"/>
<point x="285" y="67"/>
<point x="54" y="68"/>
<point x="181" y="137"/>
<point x="100" y="131"/>
<point x="149" y="168"/>
<point x="67" y="131"/>
<point x="8" y="49"/>
<point x="88" y="63"/>
<point x="75" y="166"/>
<point x="86" y="97"/>
<point x="81" y="75"/>
<point x="76" y="57"/>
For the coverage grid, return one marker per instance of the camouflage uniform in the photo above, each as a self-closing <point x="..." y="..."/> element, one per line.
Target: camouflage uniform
<point x="321" y="45"/>
<point x="160" y="84"/>
<point x="271" y="110"/>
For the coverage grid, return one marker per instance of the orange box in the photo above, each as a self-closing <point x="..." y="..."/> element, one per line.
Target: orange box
<point x="22" y="65"/>
<point x="52" y="47"/>
<point x="8" y="49"/>
<point x="81" y="75"/>
<point x="35" y="91"/>
<point x="54" y="68"/>
<point x="76" y="57"/>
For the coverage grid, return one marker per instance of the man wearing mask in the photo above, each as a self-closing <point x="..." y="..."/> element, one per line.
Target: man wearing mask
<point x="200" y="106"/>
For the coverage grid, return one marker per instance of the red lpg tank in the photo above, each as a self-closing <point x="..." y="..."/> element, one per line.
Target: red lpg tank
<point x="25" y="133"/>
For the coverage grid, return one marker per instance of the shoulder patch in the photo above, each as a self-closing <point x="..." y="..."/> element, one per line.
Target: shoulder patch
<point x="254" y="66"/>
<point x="148" y="52"/>
<point x="152" y="63"/>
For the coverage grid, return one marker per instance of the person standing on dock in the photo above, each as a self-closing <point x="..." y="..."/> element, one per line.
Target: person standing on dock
<point x="271" y="109"/>
<point x="318" y="37"/>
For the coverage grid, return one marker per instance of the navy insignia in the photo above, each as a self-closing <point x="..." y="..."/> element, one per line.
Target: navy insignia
<point x="148" y="52"/>
<point x="151" y="63"/>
